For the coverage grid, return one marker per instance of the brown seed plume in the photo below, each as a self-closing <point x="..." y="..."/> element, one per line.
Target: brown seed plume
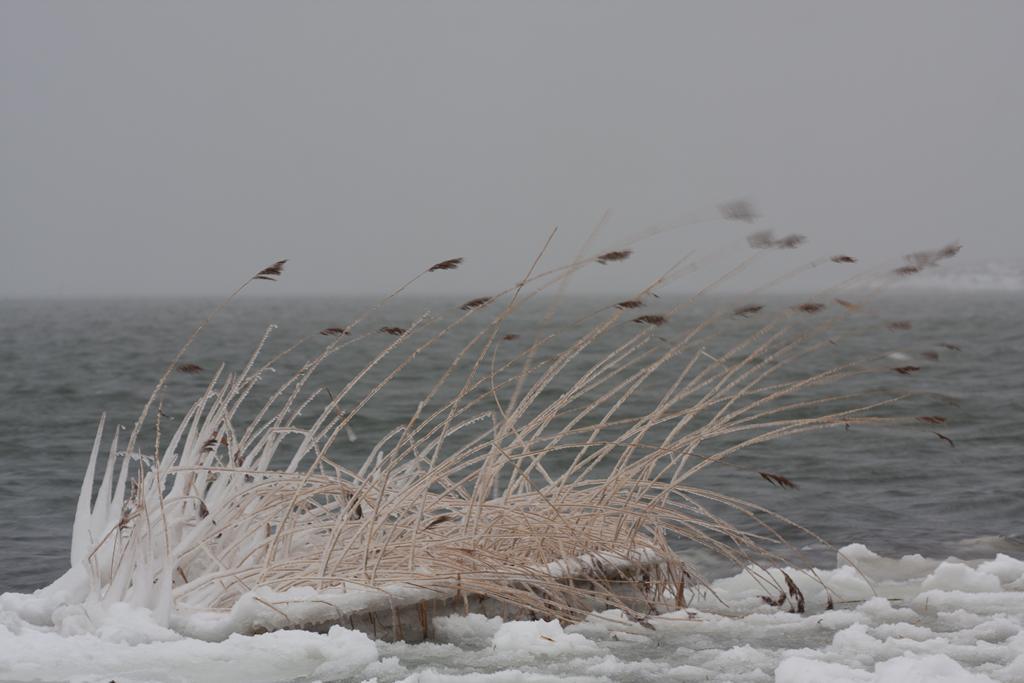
<point x="790" y="241"/>
<point x="951" y="347"/>
<point x="810" y="307"/>
<point x="333" y="331"/>
<point x="848" y="305"/>
<point x="843" y="258"/>
<point x="899" y="325"/>
<point x="651" y="320"/>
<point x="906" y="270"/>
<point x="796" y="594"/>
<point x="510" y="337"/>
<point x="749" y="310"/>
<point x="610" y="256"/>
<point x="393" y="331"/>
<point x="475" y="303"/>
<point x="271" y="272"/>
<point x="738" y="210"/>
<point x="930" y="355"/>
<point x="927" y="259"/>
<point x="190" y="368"/>
<point x="778" y="480"/>
<point x="765" y="239"/>
<point x="946" y="439"/>
<point x="932" y="419"/>
<point x="450" y="264"/>
<point x="906" y="369"/>
<point x="631" y="303"/>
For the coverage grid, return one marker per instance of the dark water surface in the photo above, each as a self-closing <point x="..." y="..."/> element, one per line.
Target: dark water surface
<point x="63" y="363"/>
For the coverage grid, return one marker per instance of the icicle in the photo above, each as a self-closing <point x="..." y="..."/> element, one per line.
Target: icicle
<point x="80" y="534"/>
<point x="101" y="510"/>
<point x="162" y="599"/>
<point x="117" y="503"/>
<point x="124" y="566"/>
<point x="142" y="582"/>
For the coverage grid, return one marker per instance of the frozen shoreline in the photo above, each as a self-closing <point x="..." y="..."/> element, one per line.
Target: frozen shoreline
<point x="919" y="620"/>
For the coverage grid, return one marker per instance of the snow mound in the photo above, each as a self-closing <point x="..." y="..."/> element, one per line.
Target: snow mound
<point x="909" y="619"/>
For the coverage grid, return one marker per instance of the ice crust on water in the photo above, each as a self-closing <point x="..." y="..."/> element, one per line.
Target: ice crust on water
<point x="905" y="620"/>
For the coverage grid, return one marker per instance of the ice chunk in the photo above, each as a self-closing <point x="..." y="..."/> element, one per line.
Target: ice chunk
<point x="540" y="637"/>
<point x="955" y="576"/>
<point x="1008" y="569"/>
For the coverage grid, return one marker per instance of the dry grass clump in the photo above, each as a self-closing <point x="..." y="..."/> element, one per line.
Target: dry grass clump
<point x="495" y="478"/>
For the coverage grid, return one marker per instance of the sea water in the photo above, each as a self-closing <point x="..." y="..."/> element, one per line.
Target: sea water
<point x="938" y="596"/>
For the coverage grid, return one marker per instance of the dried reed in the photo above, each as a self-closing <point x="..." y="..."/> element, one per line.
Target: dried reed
<point x="513" y="466"/>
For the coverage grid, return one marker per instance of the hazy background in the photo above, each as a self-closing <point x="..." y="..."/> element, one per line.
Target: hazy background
<point x="173" y="148"/>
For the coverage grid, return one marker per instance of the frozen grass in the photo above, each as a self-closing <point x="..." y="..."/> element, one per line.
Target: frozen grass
<point x="497" y="485"/>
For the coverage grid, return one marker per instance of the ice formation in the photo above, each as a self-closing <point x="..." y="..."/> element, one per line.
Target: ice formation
<point x="911" y="619"/>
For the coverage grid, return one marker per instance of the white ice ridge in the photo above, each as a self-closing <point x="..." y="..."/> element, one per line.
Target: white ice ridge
<point x="902" y="620"/>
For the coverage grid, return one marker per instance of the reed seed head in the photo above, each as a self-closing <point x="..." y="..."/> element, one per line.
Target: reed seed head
<point x="748" y="310"/>
<point x="475" y="303"/>
<point x="778" y="480"/>
<point x="738" y="210"/>
<point x="271" y="272"/>
<point x="848" y="305"/>
<point x="450" y="264"/>
<point x="612" y="256"/>
<point x="765" y="239"/>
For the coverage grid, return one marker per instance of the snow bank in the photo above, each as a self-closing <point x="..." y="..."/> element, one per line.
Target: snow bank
<point x="906" y="669"/>
<point x="909" y="619"/>
<point x="33" y="654"/>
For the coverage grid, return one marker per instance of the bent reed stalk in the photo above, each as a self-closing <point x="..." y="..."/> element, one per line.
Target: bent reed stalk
<point x="524" y="475"/>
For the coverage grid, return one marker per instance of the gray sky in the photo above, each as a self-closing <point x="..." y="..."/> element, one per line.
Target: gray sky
<point x="173" y="148"/>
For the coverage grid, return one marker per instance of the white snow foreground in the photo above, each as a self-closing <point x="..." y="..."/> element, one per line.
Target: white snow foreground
<point x="917" y="620"/>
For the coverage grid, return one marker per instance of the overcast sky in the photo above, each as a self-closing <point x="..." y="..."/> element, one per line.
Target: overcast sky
<point x="173" y="148"/>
